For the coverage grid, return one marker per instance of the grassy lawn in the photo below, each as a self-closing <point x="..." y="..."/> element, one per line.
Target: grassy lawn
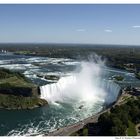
<point x="14" y="79"/>
<point x="131" y="131"/>
<point x="125" y="97"/>
<point x="85" y="132"/>
<point x="16" y="82"/>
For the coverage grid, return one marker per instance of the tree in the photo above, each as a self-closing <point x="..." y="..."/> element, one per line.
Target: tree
<point x="118" y="129"/>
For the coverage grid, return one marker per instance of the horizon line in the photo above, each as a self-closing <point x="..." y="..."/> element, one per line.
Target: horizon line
<point x="54" y="43"/>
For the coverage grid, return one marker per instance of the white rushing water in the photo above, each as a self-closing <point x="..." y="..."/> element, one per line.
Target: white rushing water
<point x="85" y="85"/>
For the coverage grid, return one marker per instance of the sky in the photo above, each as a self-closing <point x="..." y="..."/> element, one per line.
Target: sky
<point x="70" y="23"/>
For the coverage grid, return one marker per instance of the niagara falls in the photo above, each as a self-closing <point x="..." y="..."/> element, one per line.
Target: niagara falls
<point x="85" y="85"/>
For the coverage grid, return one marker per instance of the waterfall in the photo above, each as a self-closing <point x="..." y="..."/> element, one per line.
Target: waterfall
<point x="57" y="91"/>
<point x="112" y="90"/>
<point x="64" y="91"/>
<point x="85" y="85"/>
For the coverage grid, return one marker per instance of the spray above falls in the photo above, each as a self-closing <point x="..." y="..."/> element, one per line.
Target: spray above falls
<point x="86" y="84"/>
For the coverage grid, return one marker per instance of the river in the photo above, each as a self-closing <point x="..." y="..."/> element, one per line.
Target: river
<point x="82" y="100"/>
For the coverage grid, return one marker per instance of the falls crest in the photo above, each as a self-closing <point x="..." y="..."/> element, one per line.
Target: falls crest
<point x="87" y="85"/>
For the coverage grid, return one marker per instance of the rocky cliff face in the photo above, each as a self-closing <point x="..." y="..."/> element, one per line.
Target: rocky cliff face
<point x="19" y="102"/>
<point x="18" y="91"/>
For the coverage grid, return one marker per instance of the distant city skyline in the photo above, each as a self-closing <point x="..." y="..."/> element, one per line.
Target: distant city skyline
<point x="70" y="23"/>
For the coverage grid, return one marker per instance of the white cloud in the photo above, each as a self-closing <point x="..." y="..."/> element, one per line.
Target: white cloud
<point x="108" y="30"/>
<point x="136" y="26"/>
<point x="80" y="30"/>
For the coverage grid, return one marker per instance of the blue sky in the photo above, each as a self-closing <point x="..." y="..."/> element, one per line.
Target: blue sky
<point x="94" y="24"/>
